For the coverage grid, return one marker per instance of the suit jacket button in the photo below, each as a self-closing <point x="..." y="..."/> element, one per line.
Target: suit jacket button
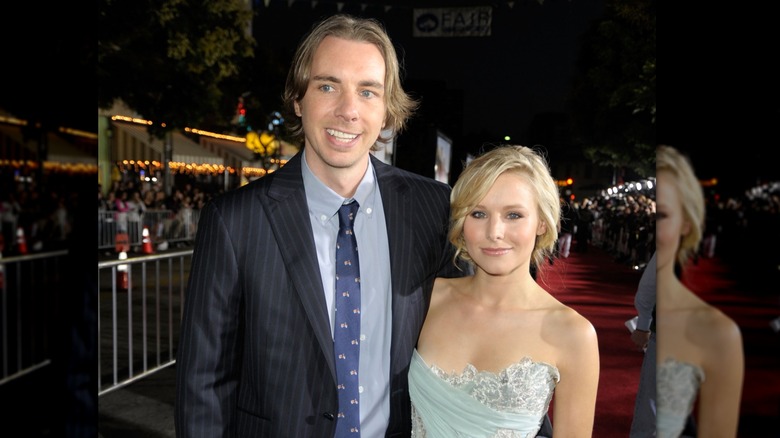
<point x="329" y="416"/>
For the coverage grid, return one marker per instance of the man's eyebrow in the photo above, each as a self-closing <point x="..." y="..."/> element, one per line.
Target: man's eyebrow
<point x="366" y="83"/>
<point x="371" y="84"/>
<point x="326" y="78"/>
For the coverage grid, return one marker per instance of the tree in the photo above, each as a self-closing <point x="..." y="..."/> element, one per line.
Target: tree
<point x="171" y="60"/>
<point x="613" y="98"/>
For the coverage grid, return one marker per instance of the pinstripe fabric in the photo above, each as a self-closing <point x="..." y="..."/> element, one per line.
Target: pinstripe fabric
<point x="255" y="356"/>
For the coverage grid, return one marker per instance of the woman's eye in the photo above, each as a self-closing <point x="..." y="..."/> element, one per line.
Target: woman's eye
<point x="477" y="214"/>
<point x="514" y="215"/>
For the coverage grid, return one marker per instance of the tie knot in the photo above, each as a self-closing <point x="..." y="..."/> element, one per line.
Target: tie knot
<point x="347" y="214"/>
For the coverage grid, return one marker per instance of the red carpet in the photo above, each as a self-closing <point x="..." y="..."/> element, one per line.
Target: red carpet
<point x="752" y="299"/>
<point x="602" y="290"/>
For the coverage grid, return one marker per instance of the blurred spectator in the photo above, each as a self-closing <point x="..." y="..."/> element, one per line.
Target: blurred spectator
<point x="9" y="215"/>
<point x="568" y="226"/>
<point x="121" y="207"/>
<point x="135" y="211"/>
<point x="585" y="218"/>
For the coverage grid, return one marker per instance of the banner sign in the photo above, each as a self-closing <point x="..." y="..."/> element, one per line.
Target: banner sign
<point x="452" y="22"/>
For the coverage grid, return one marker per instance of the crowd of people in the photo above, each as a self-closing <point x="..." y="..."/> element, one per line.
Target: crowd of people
<point x="128" y="206"/>
<point x="622" y="225"/>
<point x="37" y="217"/>
<point x="736" y="223"/>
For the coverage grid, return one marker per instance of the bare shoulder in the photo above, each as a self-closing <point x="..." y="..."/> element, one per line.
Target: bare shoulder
<point x="715" y="328"/>
<point x="569" y="329"/>
<point x="572" y="340"/>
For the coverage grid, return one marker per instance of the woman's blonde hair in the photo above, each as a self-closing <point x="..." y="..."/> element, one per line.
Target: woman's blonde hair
<point x="477" y="179"/>
<point x="679" y="165"/>
<point x="400" y="106"/>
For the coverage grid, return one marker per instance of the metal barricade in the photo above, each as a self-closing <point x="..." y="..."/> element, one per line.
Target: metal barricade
<point x="164" y="226"/>
<point x="139" y="312"/>
<point x="30" y="286"/>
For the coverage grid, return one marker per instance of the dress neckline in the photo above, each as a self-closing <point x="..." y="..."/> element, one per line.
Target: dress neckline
<point x="672" y="361"/>
<point x="471" y="369"/>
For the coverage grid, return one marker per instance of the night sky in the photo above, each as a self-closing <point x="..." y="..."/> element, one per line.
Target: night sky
<point x="721" y="92"/>
<point x="719" y="88"/>
<point x="498" y="82"/>
<point x="49" y="62"/>
<point x="523" y="68"/>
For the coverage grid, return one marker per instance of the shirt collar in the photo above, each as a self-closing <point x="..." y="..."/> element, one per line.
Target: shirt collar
<point x="324" y="203"/>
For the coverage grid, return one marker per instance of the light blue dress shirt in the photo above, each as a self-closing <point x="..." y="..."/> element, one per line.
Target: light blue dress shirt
<point x="375" y="285"/>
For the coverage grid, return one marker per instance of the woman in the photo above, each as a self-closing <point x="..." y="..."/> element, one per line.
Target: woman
<point x="495" y="345"/>
<point x="699" y="348"/>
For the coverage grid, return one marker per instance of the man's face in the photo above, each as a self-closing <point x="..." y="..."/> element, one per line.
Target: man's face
<point x="343" y="110"/>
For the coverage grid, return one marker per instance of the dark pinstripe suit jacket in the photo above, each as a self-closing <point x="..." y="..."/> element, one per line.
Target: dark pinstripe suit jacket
<point x="255" y="356"/>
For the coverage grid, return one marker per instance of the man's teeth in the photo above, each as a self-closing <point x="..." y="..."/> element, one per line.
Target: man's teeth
<point x="341" y="135"/>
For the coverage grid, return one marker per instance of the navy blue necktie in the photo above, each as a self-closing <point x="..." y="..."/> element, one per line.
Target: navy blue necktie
<point x="346" y="337"/>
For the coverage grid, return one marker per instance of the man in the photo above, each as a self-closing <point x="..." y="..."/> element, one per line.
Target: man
<point x="256" y="353"/>
<point x="643" y="336"/>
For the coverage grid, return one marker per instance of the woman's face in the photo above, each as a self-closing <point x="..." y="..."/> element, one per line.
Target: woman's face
<point x="500" y="232"/>
<point x="671" y="223"/>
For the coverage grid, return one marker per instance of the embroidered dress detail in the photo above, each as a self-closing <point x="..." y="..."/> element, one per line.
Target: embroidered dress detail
<point x="677" y="385"/>
<point x="480" y="404"/>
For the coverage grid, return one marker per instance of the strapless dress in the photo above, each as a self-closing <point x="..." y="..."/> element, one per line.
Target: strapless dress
<point x="480" y="404"/>
<point x="677" y="386"/>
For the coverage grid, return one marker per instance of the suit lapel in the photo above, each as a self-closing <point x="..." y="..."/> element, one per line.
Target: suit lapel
<point x="400" y="225"/>
<point x="288" y="215"/>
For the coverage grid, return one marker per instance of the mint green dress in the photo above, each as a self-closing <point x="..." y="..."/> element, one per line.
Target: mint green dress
<point x="480" y="404"/>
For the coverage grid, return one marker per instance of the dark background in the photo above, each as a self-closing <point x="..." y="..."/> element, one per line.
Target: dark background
<point x="719" y="98"/>
<point x="49" y="63"/>
<point x="475" y="90"/>
<point x="720" y="91"/>
<point x="498" y="82"/>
